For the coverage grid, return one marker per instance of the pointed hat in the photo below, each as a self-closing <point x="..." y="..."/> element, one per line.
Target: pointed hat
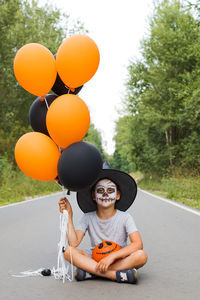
<point x="125" y="183"/>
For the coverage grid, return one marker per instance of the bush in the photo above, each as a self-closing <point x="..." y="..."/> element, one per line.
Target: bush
<point x="16" y="186"/>
<point x="182" y="188"/>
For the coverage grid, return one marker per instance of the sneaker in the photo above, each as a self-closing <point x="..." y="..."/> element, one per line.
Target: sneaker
<point x="129" y="276"/>
<point x="83" y="275"/>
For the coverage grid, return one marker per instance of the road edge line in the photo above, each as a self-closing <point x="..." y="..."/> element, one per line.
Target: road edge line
<point x="30" y="200"/>
<point x="180" y="205"/>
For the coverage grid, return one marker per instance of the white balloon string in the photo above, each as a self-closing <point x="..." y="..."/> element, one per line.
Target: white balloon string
<point x="72" y="269"/>
<point x="66" y="242"/>
<point x="30" y="273"/>
<point x="62" y="271"/>
<point x="57" y="183"/>
<point x="46" y="103"/>
<point x="63" y="189"/>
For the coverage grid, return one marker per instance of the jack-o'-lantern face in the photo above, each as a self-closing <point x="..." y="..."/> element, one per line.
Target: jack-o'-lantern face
<point x="104" y="249"/>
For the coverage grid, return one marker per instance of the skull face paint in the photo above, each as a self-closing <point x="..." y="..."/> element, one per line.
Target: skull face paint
<point x="105" y="192"/>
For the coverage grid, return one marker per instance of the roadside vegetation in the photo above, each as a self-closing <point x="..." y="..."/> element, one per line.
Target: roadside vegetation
<point x="184" y="189"/>
<point x="16" y="186"/>
<point x="158" y="130"/>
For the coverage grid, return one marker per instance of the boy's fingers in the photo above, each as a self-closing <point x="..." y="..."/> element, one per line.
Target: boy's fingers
<point x="101" y="267"/>
<point x="63" y="199"/>
<point x="61" y="202"/>
<point x="97" y="267"/>
<point x="104" y="268"/>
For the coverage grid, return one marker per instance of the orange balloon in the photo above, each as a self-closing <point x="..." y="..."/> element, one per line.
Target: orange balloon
<point x="37" y="156"/>
<point x="35" y="69"/>
<point x="67" y="120"/>
<point x="77" y="60"/>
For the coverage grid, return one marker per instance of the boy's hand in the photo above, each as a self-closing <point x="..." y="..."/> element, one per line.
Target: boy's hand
<point x="64" y="204"/>
<point x="104" y="263"/>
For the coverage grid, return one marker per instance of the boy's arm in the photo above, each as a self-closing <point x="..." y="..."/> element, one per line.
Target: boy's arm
<point x="136" y="244"/>
<point x="74" y="236"/>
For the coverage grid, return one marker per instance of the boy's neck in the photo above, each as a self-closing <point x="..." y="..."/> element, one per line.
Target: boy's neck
<point x="106" y="213"/>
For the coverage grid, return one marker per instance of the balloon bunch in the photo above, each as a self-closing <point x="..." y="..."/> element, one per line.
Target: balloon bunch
<point x="54" y="149"/>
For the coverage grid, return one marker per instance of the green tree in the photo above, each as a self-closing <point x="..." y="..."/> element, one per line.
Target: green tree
<point x="163" y="92"/>
<point x="122" y="157"/>
<point x="93" y="136"/>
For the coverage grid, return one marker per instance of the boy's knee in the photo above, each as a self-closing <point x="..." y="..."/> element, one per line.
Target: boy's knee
<point x="68" y="253"/>
<point x="142" y="256"/>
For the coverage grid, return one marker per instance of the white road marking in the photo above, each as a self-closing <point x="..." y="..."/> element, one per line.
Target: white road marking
<point x="194" y="211"/>
<point x="30" y="200"/>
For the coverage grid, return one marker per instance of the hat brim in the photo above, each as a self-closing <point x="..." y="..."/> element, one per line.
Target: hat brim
<point x="125" y="183"/>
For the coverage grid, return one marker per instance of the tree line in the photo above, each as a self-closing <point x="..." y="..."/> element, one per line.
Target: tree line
<point x="159" y="131"/>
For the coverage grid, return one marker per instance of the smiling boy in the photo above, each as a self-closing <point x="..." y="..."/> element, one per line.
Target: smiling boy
<point x="105" y="218"/>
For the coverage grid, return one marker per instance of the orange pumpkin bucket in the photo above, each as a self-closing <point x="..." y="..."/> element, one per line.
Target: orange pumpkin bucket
<point x="104" y="249"/>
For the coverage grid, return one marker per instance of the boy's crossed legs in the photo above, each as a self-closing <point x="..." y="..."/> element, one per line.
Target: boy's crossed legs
<point x="81" y="260"/>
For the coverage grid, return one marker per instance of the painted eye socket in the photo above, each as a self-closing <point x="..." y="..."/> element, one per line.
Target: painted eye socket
<point x="100" y="190"/>
<point x="110" y="190"/>
<point x="100" y="246"/>
<point x="108" y="243"/>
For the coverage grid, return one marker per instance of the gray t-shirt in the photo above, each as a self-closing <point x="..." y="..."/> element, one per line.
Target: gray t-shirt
<point x="115" y="229"/>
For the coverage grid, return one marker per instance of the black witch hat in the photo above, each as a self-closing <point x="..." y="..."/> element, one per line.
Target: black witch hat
<point x="125" y="183"/>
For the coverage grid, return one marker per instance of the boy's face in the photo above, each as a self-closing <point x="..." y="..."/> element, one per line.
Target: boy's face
<point x="105" y="193"/>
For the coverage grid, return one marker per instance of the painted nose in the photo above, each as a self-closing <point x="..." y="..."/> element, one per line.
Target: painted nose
<point x="105" y="194"/>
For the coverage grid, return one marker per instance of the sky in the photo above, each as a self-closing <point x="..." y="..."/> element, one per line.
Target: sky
<point x="117" y="27"/>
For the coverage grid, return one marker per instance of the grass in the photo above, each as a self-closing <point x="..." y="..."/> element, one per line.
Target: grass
<point x="16" y="187"/>
<point x="184" y="189"/>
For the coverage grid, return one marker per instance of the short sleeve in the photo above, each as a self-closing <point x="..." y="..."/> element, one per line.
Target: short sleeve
<point x="130" y="224"/>
<point x="83" y="223"/>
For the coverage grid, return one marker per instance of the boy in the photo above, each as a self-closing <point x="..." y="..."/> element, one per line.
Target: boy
<point x="104" y="207"/>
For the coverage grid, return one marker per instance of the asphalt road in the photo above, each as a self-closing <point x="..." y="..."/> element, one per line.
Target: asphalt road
<point x="29" y="233"/>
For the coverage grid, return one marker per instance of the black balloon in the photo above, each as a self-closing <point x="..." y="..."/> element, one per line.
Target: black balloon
<point x="79" y="166"/>
<point x="59" y="88"/>
<point x="38" y="112"/>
